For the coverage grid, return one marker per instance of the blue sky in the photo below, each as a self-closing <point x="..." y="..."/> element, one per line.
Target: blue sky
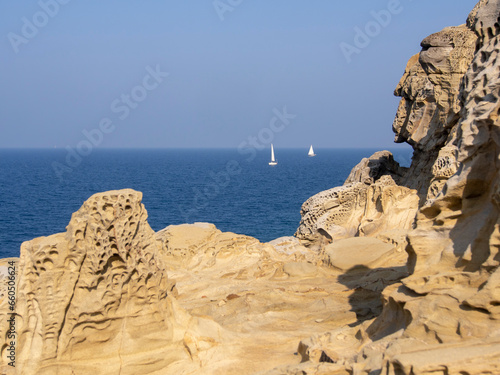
<point x="69" y="65"/>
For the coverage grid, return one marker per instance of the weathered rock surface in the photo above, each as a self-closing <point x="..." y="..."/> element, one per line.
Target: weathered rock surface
<point x="358" y="208"/>
<point x="428" y="113"/>
<point x="444" y="317"/>
<point x="427" y="119"/>
<point x="96" y="299"/>
<point x="273" y="295"/>
<point x="371" y="169"/>
<point x="362" y="252"/>
<point x="417" y="292"/>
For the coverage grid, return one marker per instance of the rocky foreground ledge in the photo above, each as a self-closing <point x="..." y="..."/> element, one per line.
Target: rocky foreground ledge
<point x="110" y="296"/>
<point x="395" y="272"/>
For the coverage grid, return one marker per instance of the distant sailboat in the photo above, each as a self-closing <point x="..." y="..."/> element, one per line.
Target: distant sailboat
<point x="273" y="160"/>
<point x="311" y="152"/>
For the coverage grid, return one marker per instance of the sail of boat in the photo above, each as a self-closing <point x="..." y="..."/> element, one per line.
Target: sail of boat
<point x="311" y="152"/>
<point x="273" y="159"/>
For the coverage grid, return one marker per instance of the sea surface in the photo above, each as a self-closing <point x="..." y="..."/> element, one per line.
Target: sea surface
<point x="40" y="189"/>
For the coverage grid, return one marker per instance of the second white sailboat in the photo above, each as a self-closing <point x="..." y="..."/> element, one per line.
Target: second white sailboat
<point x="311" y="152"/>
<point x="273" y="159"/>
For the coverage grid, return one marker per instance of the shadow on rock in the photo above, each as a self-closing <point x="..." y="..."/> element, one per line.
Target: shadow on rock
<point x="367" y="286"/>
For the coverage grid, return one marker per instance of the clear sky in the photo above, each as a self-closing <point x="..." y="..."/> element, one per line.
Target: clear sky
<point x="76" y="67"/>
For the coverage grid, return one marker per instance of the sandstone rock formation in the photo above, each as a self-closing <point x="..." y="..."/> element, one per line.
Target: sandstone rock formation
<point x="371" y="169"/>
<point x="96" y="299"/>
<point x="270" y="296"/>
<point x="368" y="204"/>
<point x="415" y="292"/>
<point x="444" y="318"/>
<point x="110" y="296"/>
<point x="364" y="252"/>
<point x="429" y="109"/>
<point x="427" y="119"/>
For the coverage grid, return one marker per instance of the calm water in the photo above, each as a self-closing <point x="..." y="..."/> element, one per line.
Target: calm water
<point x="179" y="186"/>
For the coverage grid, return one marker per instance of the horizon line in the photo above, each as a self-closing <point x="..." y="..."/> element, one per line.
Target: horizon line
<point x="208" y="148"/>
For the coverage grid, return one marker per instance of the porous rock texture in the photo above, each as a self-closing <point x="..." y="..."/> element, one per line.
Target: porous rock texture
<point x="110" y="296"/>
<point x="368" y="204"/>
<point x="427" y="119"/>
<point x="97" y="298"/>
<point x="444" y="317"/>
<point x="428" y="113"/>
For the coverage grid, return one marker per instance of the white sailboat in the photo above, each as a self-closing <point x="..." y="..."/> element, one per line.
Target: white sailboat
<point x="273" y="160"/>
<point x="311" y="152"/>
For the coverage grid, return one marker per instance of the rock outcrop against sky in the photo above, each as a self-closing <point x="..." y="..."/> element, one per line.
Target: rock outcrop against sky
<point x="395" y="272"/>
<point x="444" y="317"/>
<point x="96" y="296"/>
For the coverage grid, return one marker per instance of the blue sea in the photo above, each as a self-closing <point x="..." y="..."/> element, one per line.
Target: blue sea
<point x="40" y="189"/>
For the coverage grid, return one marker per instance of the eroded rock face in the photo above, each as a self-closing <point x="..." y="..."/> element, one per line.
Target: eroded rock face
<point x="270" y="296"/>
<point x="426" y="119"/>
<point x="96" y="298"/>
<point x="368" y="204"/>
<point x="454" y="250"/>
<point x="429" y="108"/>
<point x="467" y="210"/>
<point x="484" y="21"/>
<point x="371" y="169"/>
<point x="444" y="318"/>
